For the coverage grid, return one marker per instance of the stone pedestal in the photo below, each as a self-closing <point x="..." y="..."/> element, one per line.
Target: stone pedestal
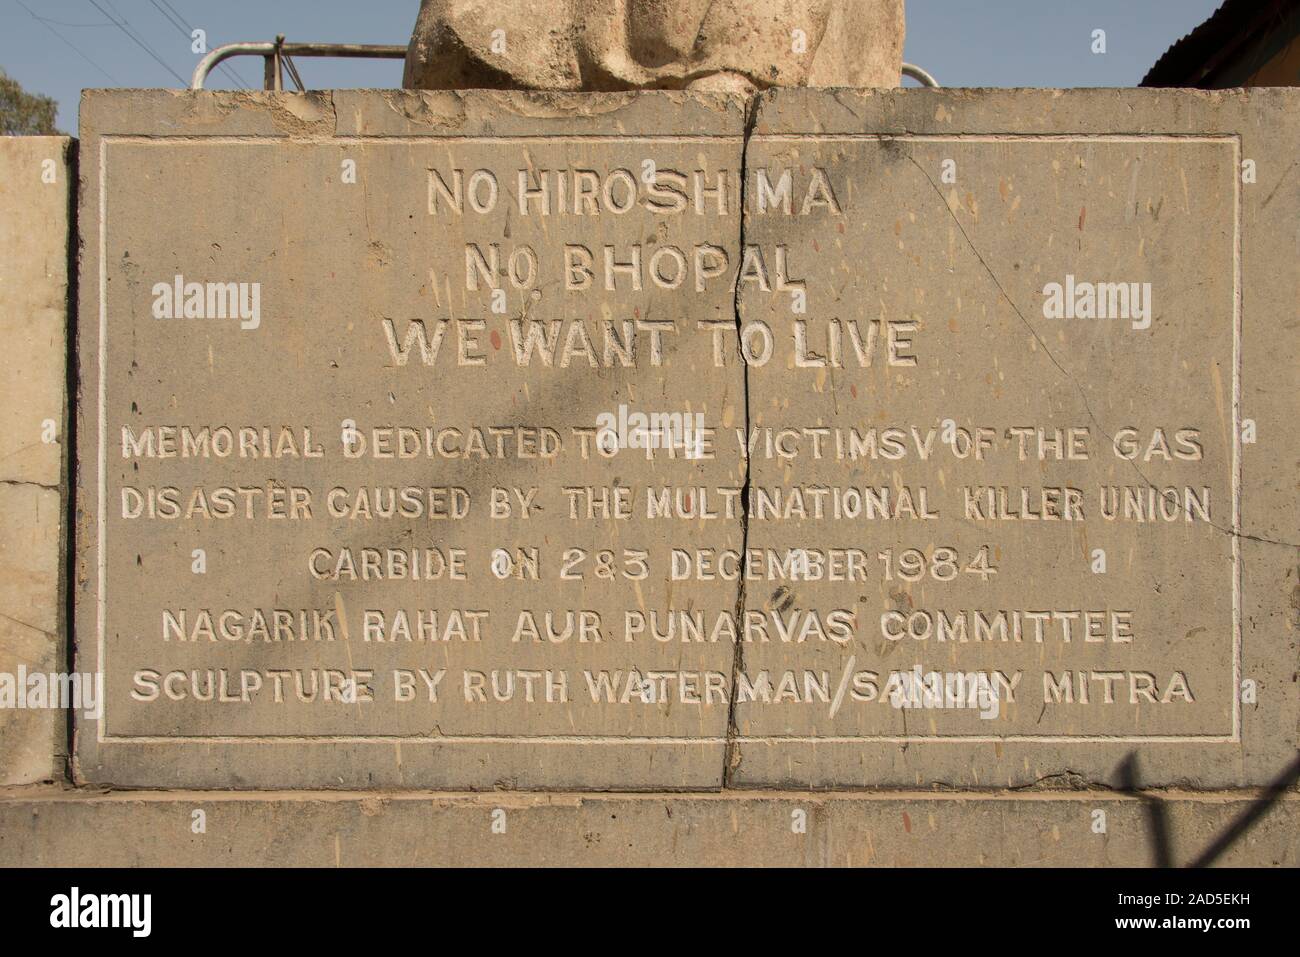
<point x="655" y="466"/>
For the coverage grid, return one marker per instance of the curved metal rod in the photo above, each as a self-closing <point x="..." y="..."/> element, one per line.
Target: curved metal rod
<point x="277" y="49"/>
<point x="209" y="62"/>
<point x="917" y="73"/>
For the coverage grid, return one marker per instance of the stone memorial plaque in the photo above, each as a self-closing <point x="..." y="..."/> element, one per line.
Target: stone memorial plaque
<point x="909" y="438"/>
<point x="367" y="499"/>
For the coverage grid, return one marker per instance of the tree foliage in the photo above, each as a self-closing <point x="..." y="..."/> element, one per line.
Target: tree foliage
<point x="23" y="113"/>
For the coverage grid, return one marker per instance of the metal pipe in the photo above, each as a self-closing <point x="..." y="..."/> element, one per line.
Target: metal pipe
<point x="268" y="73"/>
<point x="274" y="51"/>
<point x="209" y="62"/>
<point x="916" y="73"/>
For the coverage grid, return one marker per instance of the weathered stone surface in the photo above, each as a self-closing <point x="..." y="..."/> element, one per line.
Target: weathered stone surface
<point x="931" y="224"/>
<point x="736" y="829"/>
<point x="32" y="733"/>
<point x="33" y="306"/>
<point x="34" y="207"/>
<point x="957" y="209"/>
<point x="349" y="272"/>
<point x="644" y="44"/>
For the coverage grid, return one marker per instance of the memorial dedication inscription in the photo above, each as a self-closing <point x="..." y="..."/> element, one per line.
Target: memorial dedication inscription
<point x="614" y="441"/>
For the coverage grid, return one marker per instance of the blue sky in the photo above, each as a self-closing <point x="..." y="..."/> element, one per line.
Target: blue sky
<point x="144" y="43"/>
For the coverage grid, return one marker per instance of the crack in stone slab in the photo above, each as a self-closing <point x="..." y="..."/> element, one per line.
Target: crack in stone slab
<point x="731" y="752"/>
<point x="20" y="483"/>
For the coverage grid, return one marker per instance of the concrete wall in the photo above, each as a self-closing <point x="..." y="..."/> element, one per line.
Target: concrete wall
<point x="36" y="178"/>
